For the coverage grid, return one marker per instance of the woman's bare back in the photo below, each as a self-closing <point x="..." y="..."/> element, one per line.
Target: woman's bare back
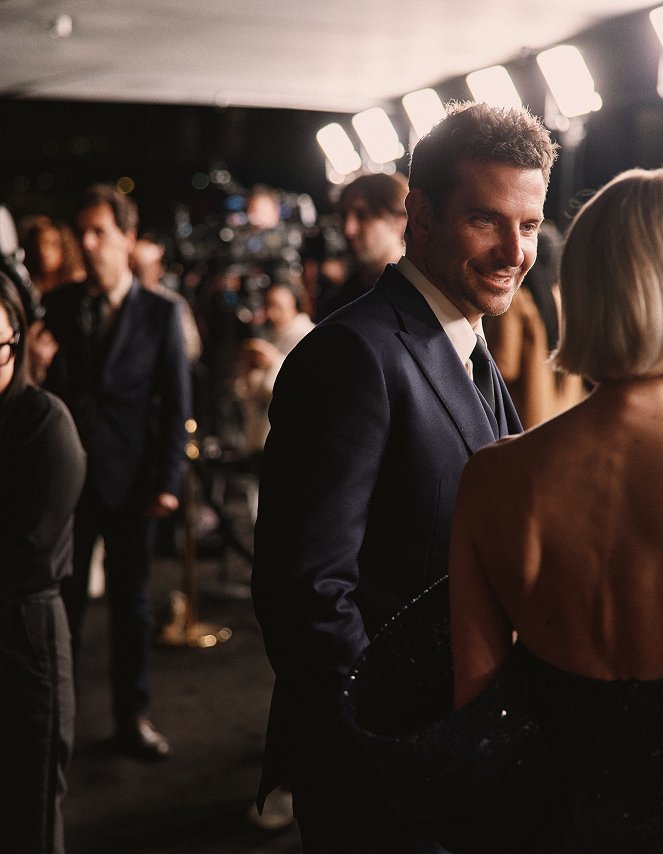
<point x="572" y="541"/>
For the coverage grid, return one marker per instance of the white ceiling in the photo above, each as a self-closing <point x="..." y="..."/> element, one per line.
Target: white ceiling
<point x="338" y="55"/>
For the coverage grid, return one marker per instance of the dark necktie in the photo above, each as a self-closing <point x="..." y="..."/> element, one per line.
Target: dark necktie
<point x="103" y="317"/>
<point x="96" y="323"/>
<point x="481" y="372"/>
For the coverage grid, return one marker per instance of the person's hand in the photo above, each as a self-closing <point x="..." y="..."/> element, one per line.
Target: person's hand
<point x="260" y="353"/>
<point x="162" y="505"/>
<point x="41" y="347"/>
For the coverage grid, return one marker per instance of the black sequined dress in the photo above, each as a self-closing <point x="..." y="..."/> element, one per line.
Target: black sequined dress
<point x="542" y="762"/>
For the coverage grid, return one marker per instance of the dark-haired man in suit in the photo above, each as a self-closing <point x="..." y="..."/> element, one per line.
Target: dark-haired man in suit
<point x="372" y="213"/>
<point x="374" y="416"/>
<point x="122" y="369"/>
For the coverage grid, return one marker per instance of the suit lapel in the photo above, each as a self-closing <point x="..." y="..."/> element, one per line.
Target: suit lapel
<point x="439" y="363"/>
<point x="431" y="349"/>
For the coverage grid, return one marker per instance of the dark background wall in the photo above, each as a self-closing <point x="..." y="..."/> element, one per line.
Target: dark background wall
<point x="49" y="150"/>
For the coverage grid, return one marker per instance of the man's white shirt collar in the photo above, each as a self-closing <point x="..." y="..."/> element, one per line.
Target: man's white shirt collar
<point x="118" y="293"/>
<point x="461" y="334"/>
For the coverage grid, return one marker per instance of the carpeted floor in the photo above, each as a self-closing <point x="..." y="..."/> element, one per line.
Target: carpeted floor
<point x="212" y="705"/>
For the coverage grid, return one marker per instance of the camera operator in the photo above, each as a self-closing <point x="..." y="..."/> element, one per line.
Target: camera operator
<point x="288" y="321"/>
<point x="266" y="241"/>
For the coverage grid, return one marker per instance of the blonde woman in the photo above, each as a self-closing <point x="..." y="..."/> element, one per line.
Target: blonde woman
<point x="555" y="593"/>
<point x="568" y="552"/>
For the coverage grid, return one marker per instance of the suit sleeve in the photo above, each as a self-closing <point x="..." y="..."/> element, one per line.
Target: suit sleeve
<point x="175" y="403"/>
<point x="329" y="425"/>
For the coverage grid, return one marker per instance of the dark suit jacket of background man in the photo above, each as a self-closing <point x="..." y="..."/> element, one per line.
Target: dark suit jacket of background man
<point x="129" y="393"/>
<point x="373" y="418"/>
<point x="131" y="409"/>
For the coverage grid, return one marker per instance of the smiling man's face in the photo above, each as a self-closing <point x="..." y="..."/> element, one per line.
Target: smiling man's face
<point x="479" y="249"/>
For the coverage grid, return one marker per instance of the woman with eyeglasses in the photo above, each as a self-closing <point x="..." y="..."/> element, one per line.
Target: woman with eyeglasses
<point x="42" y="467"/>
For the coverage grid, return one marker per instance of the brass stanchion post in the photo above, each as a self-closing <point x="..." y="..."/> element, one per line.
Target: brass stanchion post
<point x="184" y="629"/>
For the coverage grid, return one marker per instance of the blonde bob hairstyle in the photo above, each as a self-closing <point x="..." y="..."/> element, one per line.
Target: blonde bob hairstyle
<point x="611" y="281"/>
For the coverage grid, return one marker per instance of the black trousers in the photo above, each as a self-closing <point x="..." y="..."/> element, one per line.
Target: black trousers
<point x="36" y="721"/>
<point x="128" y="540"/>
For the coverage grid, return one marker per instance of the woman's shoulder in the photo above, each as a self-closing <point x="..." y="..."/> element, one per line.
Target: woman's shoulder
<point x="496" y="454"/>
<point x="39" y="412"/>
<point x="36" y="400"/>
<point x="517" y="460"/>
<point x="549" y="434"/>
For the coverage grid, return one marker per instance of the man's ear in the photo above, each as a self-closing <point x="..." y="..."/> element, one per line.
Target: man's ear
<point x="419" y="214"/>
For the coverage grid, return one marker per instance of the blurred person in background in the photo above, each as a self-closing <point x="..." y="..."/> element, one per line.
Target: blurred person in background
<point x="42" y="468"/>
<point x="287" y="323"/>
<point x="12" y="264"/>
<point x="147" y="263"/>
<point x="261" y="246"/>
<point x="263" y="209"/>
<point x="523" y="339"/>
<point x="121" y="367"/>
<point x="266" y="243"/>
<point x="52" y="255"/>
<point x="373" y="217"/>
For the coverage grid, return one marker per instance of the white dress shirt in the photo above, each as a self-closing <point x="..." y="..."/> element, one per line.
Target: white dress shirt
<point x="461" y="334"/>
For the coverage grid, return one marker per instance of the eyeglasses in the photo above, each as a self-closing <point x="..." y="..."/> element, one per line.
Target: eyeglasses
<point x="8" y="349"/>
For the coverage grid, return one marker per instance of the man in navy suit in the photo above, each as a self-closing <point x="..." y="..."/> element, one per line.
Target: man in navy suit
<point x="122" y="369"/>
<point x="374" y="415"/>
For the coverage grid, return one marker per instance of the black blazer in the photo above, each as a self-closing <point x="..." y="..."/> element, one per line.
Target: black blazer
<point x="131" y="408"/>
<point x="372" y="421"/>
